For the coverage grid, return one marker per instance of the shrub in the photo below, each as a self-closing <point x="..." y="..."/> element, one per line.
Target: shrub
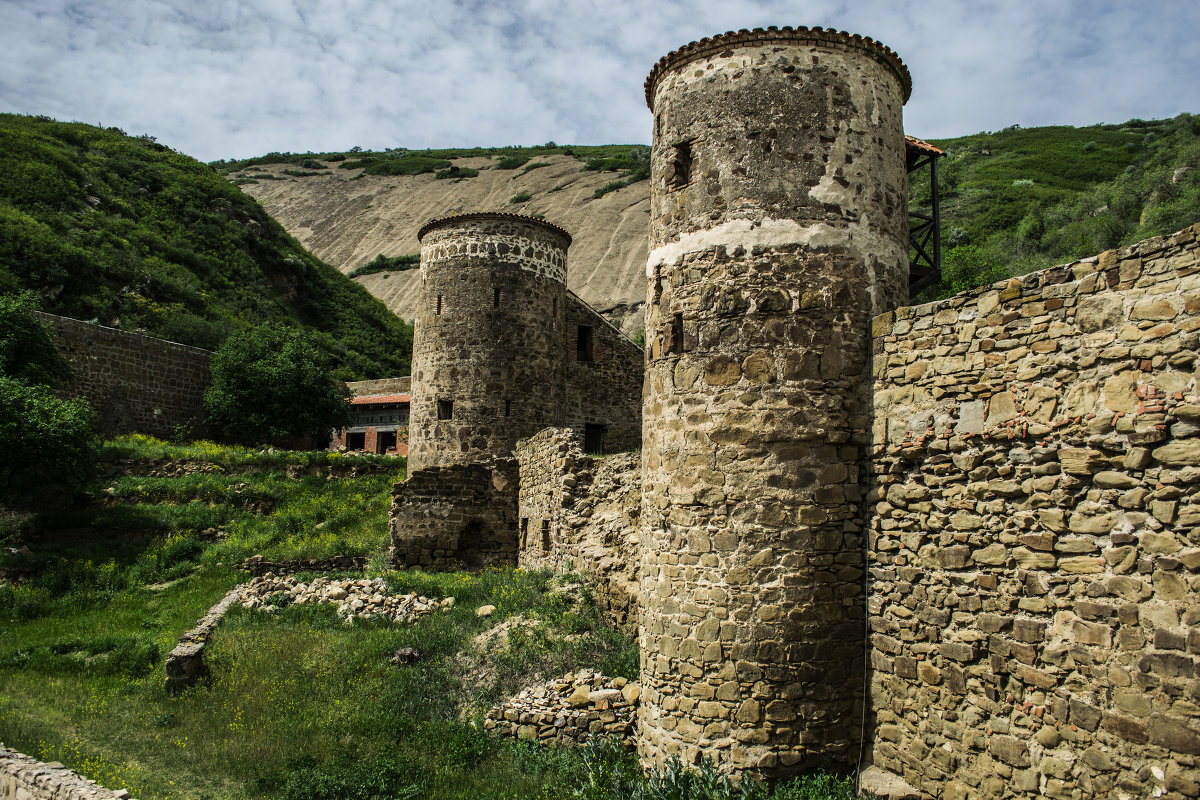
<point x="272" y="384"/>
<point x="511" y="162"/>
<point x="382" y="263"/>
<point x="520" y="197"/>
<point x="453" y="171"/>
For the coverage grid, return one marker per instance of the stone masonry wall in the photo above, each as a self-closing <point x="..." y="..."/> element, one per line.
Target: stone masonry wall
<point x="455" y="517"/>
<point x="579" y="513"/>
<point x="401" y="385"/>
<point x="1035" y="542"/>
<point x="133" y="381"/>
<point x="607" y="390"/>
<point x="25" y="778"/>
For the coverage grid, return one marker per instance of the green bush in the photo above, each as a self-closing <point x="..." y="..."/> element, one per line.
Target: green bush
<point x="272" y="384"/>
<point x="520" y="197"/>
<point x="382" y="263"/>
<point x="512" y="162"/>
<point x="453" y="171"/>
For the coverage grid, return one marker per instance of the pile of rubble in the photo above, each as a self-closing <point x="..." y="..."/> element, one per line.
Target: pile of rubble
<point x="361" y="598"/>
<point x="569" y="709"/>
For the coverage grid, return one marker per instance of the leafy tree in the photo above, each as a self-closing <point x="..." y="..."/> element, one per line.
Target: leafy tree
<point x="44" y="438"/>
<point x="272" y="384"/>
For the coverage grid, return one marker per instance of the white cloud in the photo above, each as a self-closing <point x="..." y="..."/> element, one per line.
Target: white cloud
<point x="229" y="78"/>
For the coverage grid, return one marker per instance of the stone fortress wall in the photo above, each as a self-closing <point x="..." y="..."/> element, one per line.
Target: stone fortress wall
<point x="1035" y="533"/>
<point x="133" y="381"/>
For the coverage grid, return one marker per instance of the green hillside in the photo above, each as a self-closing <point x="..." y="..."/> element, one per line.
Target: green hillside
<point x="1022" y="199"/>
<point x="126" y="232"/>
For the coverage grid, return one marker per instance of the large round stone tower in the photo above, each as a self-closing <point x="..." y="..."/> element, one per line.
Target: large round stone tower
<point x="778" y="229"/>
<point x="488" y="355"/>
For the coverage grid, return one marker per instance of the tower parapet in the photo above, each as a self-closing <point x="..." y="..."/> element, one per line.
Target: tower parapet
<point x="778" y="229"/>
<point x="488" y="360"/>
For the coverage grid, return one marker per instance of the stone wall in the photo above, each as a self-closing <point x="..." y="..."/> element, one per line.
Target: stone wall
<point x="579" y="513"/>
<point x="607" y="390"/>
<point x="136" y="383"/>
<point x="456" y="517"/>
<point x="401" y="385"/>
<point x="1035" y="542"/>
<point x="25" y="778"/>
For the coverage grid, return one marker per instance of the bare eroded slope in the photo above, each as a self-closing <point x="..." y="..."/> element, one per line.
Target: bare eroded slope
<point x="348" y="218"/>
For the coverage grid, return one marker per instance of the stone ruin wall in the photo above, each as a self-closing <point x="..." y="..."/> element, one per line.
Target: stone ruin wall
<point x="579" y="513"/>
<point x="1035" y="537"/>
<point x="25" y="778"/>
<point x="608" y="389"/>
<point x="462" y="516"/>
<point x="136" y="383"/>
<point x="401" y="385"/>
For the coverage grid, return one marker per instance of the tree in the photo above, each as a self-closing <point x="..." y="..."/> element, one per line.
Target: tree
<point x="45" y="439"/>
<point x="273" y="384"/>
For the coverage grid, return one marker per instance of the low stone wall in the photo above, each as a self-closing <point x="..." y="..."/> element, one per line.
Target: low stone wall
<point x="401" y="385"/>
<point x="257" y="565"/>
<point x="136" y="383"/>
<point x="25" y="778"/>
<point x="456" y="517"/>
<point x="185" y="664"/>
<point x="1035" y="538"/>
<point x="580" y="513"/>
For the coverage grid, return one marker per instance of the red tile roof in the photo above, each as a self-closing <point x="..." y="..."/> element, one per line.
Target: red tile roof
<point x="380" y="399"/>
<point x="914" y="143"/>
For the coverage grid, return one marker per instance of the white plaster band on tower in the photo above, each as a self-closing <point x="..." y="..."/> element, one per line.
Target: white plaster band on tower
<point x="857" y="238"/>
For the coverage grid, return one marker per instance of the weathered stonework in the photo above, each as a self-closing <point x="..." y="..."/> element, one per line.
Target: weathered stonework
<point x="461" y="516"/>
<point x="501" y="351"/>
<point x="579" y="513"/>
<point x="136" y="383"/>
<point x="25" y="778"/>
<point x="778" y="227"/>
<point x="1035" y="536"/>
<point x="488" y="361"/>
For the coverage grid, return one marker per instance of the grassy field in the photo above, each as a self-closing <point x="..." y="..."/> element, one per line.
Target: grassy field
<point x="298" y="704"/>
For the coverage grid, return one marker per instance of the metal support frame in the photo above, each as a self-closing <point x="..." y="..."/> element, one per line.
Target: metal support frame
<point x="924" y="229"/>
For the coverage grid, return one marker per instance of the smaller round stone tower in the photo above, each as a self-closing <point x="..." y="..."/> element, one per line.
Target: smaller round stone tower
<point x="488" y="356"/>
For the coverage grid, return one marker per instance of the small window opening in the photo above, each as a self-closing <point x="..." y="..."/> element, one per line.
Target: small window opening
<point x="508" y="408"/>
<point x="356" y="441"/>
<point x="583" y="344"/>
<point x="681" y="166"/>
<point x="445" y="409"/>
<point x="546" y="535"/>
<point x="524" y="531"/>
<point x="495" y="298"/>
<point x="593" y="439"/>
<point x="439" y="306"/>
<point x="677" y="334"/>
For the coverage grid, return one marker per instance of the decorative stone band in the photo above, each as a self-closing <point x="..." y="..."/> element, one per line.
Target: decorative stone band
<point x="787" y="35"/>
<point x="458" y="219"/>
<point x="502" y="238"/>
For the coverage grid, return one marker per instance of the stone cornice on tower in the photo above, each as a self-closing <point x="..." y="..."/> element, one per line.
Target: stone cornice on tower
<point x="441" y="222"/>
<point x="787" y="34"/>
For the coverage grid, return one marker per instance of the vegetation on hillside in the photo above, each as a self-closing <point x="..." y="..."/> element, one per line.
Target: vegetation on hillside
<point x="1023" y="199"/>
<point x="124" y="231"/>
<point x="632" y="161"/>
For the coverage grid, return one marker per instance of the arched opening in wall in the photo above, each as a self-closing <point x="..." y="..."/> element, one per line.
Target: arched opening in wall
<point x="475" y="550"/>
<point x="545" y="536"/>
<point x="593" y="439"/>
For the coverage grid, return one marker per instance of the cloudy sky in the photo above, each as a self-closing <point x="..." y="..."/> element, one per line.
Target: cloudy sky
<point x="236" y="78"/>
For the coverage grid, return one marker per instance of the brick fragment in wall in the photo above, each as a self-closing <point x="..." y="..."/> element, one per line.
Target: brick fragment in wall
<point x="1066" y="493"/>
